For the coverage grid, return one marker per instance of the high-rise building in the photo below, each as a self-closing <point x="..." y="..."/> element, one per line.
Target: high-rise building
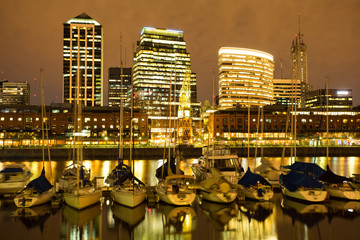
<point x="287" y="91"/>
<point x="245" y="77"/>
<point x="299" y="64"/>
<point x="14" y="93"/>
<point x="160" y="63"/>
<point x="336" y="99"/>
<point x="119" y="86"/>
<point x="83" y="61"/>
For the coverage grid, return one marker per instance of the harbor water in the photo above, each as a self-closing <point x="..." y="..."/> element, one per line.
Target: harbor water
<point x="280" y="218"/>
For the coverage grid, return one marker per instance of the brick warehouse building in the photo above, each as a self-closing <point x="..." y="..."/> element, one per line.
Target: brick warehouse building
<point x="233" y="123"/>
<point x="19" y="122"/>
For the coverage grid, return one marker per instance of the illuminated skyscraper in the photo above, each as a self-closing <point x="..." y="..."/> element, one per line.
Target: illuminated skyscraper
<point x="287" y="91"/>
<point x="119" y="86"/>
<point x="299" y="64"/>
<point x="160" y="63"/>
<point x="299" y="59"/>
<point x="245" y="77"/>
<point x="82" y="61"/>
<point x="14" y="93"/>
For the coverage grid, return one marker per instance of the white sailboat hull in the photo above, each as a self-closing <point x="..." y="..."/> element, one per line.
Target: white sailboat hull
<point x="128" y="196"/>
<point x="30" y="200"/>
<point x="219" y="197"/>
<point x="181" y="198"/>
<point x="310" y="195"/>
<point x="266" y="194"/>
<point x="83" y="198"/>
<point x="343" y="193"/>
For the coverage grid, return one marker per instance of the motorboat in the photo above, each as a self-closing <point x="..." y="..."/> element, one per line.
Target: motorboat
<point x="220" y="158"/>
<point x="14" y="177"/>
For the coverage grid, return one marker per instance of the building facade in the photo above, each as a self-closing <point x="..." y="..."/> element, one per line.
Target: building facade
<point x="299" y="64"/>
<point x="336" y="99"/>
<point x="119" y="86"/>
<point x="245" y="77"/>
<point x="287" y="91"/>
<point x="14" y="93"/>
<point x="83" y="61"/>
<point x="161" y="62"/>
<point x="97" y="122"/>
<point x="232" y="124"/>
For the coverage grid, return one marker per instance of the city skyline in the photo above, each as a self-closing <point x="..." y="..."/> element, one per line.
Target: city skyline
<point x="267" y="26"/>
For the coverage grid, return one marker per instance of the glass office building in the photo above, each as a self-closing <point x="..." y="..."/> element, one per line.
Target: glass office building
<point x="160" y="63"/>
<point x="245" y="77"/>
<point x="83" y="61"/>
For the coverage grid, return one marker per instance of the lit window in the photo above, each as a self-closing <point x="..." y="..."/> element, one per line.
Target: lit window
<point x="36" y="119"/>
<point x="103" y="126"/>
<point x="95" y="126"/>
<point x="87" y="120"/>
<point x="111" y="126"/>
<point x="103" y="119"/>
<point x="11" y="119"/>
<point x="2" y="119"/>
<point x="95" y="119"/>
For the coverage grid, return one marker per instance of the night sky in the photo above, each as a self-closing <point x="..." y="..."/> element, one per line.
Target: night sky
<point x="32" y="32"/>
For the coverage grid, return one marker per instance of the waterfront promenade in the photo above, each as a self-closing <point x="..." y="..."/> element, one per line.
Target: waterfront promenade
<point x="110" y="152"/>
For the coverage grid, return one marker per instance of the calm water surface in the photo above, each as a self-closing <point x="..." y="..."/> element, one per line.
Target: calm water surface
<point x="278" y="219"/>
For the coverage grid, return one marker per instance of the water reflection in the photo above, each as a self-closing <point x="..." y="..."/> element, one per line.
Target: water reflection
<point x="33" y="217"/>
<point x="82" y="224"/>
<point x="343" y="209"/>
<point x="306" y="213"/>
<point x="177" y="220"/>
<point x="129" y="216"/>
<point x="258" y="211"/>
<point x="220" y="215"/>
<point x="205" y="220"/>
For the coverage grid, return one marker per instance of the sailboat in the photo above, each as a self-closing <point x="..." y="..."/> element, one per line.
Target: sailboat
<point x="253" y="185"/>
<point x="39" y="190"/>
<point x="301" y="182"/>
<point x="68" y="177"/>
<point x="337" y="186"/>
<point x="83" y="194"/>
<point x="14" y="177"/>
<point x="216" y="188"/>
<point x="127" y="190"/>
<point x="173" y="187"/>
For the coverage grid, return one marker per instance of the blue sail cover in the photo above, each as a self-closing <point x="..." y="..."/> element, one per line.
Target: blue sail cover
<point x="251" y="179"/>
<point x="308" y="168"/>
<point x="12" y="170"/>
<point x="293" y="180"/>
<point x="331" y="177"/>
<point x="40" y="184"/>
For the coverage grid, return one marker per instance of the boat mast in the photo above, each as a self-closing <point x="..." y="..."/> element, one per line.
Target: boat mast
<point x="327" y="119"/>
<point x="121" y="105"/>
<point x="170" y="133"/>
<point x="43" y="125"/>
